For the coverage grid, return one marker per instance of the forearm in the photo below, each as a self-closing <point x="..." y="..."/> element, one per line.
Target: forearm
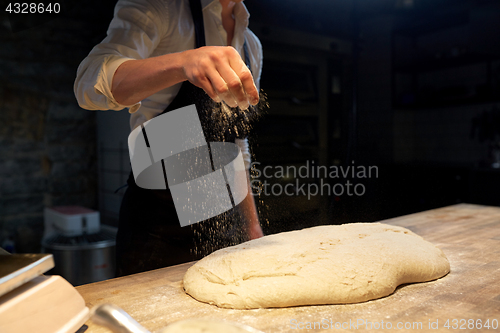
<point x="218" y="70"/>
<point x="135" y="80"/>
<point x="249" y="213"/>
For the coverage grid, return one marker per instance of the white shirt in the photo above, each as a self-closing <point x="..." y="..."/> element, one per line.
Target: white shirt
<point x="147" y="28"/>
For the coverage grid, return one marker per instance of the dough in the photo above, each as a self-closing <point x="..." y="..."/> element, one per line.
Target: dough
<point x="348" y="263"/>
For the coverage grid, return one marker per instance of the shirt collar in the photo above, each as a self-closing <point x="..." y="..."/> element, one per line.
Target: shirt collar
<point x="205" y="3"/>
<point x="240" y="10"/>
<point x="241" y="13"/>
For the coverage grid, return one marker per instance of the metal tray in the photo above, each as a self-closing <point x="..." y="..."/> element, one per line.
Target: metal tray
<point x="17" y="269"/>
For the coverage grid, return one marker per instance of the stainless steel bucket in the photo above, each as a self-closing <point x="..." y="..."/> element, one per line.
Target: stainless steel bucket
<point x="83" y="259"/>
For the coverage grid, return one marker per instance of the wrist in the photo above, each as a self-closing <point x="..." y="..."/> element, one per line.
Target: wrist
<point x="254" y="231"/>
<point x="174" y="66"/>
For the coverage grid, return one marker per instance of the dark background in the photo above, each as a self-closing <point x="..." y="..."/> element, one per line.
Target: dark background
<point x="409" y="86"/>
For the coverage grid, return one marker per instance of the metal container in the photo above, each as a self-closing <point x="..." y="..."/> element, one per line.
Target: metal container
<point x="85" y="258"/>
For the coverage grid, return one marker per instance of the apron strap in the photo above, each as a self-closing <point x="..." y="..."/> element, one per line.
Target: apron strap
<point x="199" y="28"/>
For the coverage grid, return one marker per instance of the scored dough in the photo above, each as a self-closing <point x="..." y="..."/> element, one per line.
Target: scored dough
<point x="348" y="263"/>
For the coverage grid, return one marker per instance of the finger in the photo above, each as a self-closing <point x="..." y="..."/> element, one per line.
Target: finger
<point x="201" y="80"/>
<point x="200" y="77"/>
<point x="246" y="79"/>
<point x="221" y="88"/>
<point x="209" y="89"/>
<point x="249" y="87"/>
<point x="234" y="84"/>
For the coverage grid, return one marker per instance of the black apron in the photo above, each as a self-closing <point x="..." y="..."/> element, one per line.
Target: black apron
<point x="149" y="234"/>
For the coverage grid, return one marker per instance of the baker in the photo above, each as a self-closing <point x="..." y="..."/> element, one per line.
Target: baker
<point x="155" y="59"/>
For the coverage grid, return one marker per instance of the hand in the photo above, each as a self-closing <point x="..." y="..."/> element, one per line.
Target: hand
<point x="222" y="74"/>
<point x="255" y="231"/>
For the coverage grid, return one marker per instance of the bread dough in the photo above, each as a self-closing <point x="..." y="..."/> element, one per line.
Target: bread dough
<point x="348" y="263"/>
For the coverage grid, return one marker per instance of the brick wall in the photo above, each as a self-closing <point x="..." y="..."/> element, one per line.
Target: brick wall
<point x="374" y="92"/>
<point x="47" y="143"/>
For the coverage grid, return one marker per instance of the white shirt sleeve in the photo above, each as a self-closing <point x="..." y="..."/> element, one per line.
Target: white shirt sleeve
<point x="134" y="33"/>
<point x="256" y="63"/>
<point x="256" y="56"/>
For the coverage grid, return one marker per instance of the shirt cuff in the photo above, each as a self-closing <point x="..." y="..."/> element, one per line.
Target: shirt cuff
<point x="105" y="80"/>
<point x="243" y="144"/>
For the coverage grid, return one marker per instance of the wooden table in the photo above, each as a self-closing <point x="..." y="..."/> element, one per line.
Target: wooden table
<point x="468" y="234"/>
